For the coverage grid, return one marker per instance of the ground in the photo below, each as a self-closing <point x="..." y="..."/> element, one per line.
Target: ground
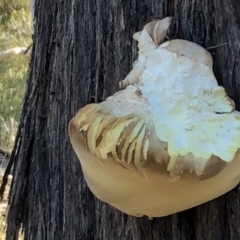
<point x="3" y="206"/>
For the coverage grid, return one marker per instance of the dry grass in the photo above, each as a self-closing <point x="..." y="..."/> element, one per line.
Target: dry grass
<point x="2" y="228"/>
<point x="4" y="207"/>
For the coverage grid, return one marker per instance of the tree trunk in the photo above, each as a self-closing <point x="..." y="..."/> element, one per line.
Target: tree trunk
<point x="81" y="50"/>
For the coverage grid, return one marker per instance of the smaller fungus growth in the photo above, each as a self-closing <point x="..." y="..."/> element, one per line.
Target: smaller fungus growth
<point x="169" y="140"/>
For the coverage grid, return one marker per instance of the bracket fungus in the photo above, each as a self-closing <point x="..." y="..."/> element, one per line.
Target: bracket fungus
<point x="169" y="140"/>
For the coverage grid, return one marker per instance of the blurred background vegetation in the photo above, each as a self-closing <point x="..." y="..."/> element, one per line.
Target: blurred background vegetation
<point x="15" y="31"/>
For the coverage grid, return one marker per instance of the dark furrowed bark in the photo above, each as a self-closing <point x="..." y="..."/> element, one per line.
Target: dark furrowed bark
<point x="81" y="50"/>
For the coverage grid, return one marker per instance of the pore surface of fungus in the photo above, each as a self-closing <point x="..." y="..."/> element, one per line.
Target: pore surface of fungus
<point x="169" y="140"/>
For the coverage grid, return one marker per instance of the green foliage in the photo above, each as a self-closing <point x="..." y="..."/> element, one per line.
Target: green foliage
<point x="15" y="31"/>
<point x="7" y="8"/>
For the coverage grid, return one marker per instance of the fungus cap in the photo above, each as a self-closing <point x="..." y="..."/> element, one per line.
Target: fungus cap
<point x="169" y="141"/>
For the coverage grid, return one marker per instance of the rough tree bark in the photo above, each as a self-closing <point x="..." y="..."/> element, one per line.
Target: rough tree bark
<point x="81" y="50"/>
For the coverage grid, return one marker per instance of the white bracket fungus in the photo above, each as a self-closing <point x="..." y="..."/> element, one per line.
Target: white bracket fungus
<point x="167" y="142"/>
